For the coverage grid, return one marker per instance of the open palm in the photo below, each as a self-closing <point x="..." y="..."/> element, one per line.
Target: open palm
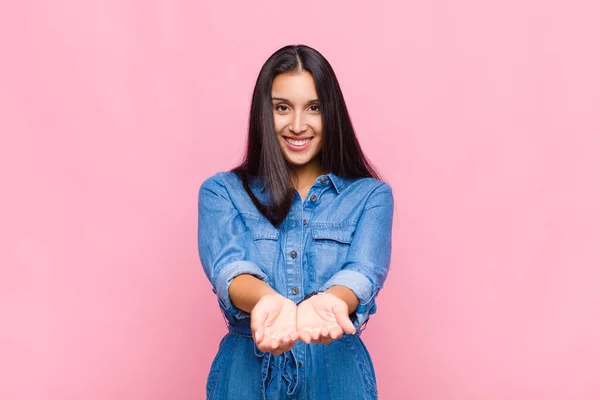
<point x="322" y="319"/>
<point x="273" y="323"/>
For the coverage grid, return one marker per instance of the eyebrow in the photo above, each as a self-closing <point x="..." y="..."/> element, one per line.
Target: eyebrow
<point x="283" y="99"/>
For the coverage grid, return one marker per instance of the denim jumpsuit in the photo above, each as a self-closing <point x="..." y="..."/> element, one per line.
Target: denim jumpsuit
<point x="341" y="234"/>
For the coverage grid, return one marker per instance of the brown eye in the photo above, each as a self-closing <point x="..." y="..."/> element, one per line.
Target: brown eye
<point x="314" y="107"/>
<point x="278" y="107"/>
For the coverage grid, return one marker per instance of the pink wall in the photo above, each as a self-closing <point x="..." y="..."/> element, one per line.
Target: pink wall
<point x="482" y="115"/>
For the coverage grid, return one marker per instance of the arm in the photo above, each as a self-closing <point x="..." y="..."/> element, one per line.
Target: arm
<point x="233" y="265"/>
<point x="346" y="295"/>
<point x="272" y="318"/>
<point x="351" y="292"/>
<point x="367" y="264"/>
<point x="227" y="249"/>
<point x="246" y="290"/>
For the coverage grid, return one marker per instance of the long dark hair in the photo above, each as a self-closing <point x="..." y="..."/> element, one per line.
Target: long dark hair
<point x="340" y="152"/>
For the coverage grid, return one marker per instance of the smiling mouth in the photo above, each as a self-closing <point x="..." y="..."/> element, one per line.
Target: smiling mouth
<point x="297" y="142"/>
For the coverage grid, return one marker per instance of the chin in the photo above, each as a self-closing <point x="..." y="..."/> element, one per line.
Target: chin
<point x="297" y="163"/>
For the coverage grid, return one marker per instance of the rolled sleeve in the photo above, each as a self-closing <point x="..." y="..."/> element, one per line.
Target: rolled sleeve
<point x="362" y="288"/>
<point x="223" y="280"/>
<point x="226" y="246"/>
<point x="366" y="267"/>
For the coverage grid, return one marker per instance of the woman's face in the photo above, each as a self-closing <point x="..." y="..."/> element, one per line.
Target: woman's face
<point x="297" y="116"/>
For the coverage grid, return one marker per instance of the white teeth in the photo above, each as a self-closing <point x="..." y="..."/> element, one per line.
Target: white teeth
<point x="297" y="142"/>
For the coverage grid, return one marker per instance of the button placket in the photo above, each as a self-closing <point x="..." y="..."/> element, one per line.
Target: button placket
<point x="293" y="256"/>
<point x="305" y="215"/>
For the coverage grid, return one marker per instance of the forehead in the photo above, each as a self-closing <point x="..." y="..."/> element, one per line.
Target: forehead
<point x="294" y="86"/>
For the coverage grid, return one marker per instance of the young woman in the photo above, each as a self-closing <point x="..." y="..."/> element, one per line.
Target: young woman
<point x="296" y="242"/>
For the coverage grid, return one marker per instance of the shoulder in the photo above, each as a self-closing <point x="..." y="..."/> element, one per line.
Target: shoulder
<point x="227" y="186"/>
<point x="216" y="188"/>
<point x="371" y="193"/>
<point x="220" y="180"/>
<point x="368" y="186"/>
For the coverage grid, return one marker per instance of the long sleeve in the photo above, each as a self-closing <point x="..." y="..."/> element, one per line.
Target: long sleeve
<point x="367" y="263"/>
<point x="225" y="245"/>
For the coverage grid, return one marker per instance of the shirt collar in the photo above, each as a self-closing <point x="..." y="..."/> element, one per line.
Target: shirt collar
<point x="339" y="183"/>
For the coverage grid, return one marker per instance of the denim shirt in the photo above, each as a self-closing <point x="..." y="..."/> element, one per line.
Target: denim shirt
<point x="341" y="234"/>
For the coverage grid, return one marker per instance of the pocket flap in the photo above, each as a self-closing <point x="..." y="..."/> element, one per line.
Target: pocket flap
<point x="264" y="230"/>
<point x="342" y="235"/>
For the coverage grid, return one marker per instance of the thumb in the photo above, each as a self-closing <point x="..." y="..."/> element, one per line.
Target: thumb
<point x="257" y="324"/>
<point x="343" y="320"/>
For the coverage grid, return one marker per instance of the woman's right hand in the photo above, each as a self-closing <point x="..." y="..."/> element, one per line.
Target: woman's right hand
<point x="273" y="324"/>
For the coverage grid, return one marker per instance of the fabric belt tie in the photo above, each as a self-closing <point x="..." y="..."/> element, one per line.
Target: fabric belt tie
<point x="287" y="361"/>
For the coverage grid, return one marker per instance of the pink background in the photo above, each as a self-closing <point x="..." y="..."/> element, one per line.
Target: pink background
<point x="483" y="116"/>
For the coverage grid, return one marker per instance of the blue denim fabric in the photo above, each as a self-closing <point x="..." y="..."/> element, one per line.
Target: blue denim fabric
<point x="341" y="234"/>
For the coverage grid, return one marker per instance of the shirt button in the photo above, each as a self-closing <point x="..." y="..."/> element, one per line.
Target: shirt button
<point x="323" y="180"/>
<point x="313" y="198"/>
<point x="300" y="364"/>
<point x="304" y="222"/>
<point x="294" y="290"/>
<point x="293" y="254"/>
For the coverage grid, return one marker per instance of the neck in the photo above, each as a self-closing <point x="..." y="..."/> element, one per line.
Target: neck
<point x="305" y="175"/>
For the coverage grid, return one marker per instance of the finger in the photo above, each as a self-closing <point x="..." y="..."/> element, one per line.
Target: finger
<point x="305" y="336"/>
<point x="266" y="335"/>
<point x="286" y="341"/>
<point x="276" y="352"/>
<point x="257" y="324"/>
<point x="287" y="346"/>
<point x="279" y="345"/>
<point x="275" y="344"/>
<point x="258" y="335"/>
<point x="343" y="321"/>
<point x="269" y="344"/>
<point x="335" y="332"/>
<point x="315" y="334"/>
<point x="264" y="346"/>
<point x="293" y="338"/>
<point x="324" y="333"/>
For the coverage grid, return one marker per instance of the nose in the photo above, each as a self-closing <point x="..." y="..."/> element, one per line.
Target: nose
<point x="298" y="124"/>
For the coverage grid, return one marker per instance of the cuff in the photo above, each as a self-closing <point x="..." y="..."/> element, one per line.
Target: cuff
<point x="223" y="280"/>
<point x="364" y="290"/>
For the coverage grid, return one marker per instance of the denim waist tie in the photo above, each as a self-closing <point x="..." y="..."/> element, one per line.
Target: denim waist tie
<point x="291" y="374"/>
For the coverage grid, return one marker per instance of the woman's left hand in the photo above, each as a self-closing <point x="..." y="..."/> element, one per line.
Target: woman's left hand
<point x="323" y="318"/>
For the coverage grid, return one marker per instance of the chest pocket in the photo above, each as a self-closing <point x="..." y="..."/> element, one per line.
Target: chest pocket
<point x="328" y="250"/>
<point x="266" y="240"/>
